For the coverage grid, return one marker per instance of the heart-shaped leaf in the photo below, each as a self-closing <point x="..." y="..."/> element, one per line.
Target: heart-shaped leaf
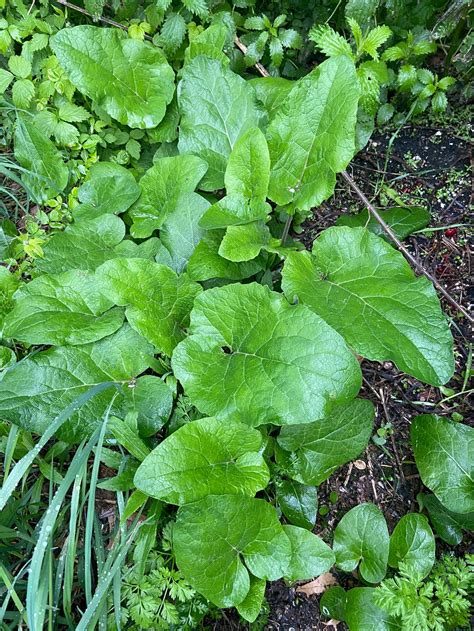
<point x="244" y="243"/>
<point x="214" y="537"/>
<point x="64" y="309"/>
<point x="412" y="542"/>
<point x="318" y="449"/>
<point x="110" y="188"/>
<point x="205" y="457"/>
<point x="362" y="536"/>
<point x="37" y="389"/>
<point x="130" y="79"/>
<point x="367" y="291"/>
<point x="249" y="349"/>
<point x="87" y="244"/>
<point x="310" y="556"/>
<point x="167" y="179"/>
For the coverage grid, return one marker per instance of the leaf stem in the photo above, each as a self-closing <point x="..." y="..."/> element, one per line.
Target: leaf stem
<point x="286" y="229"/>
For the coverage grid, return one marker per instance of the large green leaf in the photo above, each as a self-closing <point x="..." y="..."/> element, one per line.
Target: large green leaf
<point x="180" y="232"/>
<point x="163" y="182"/>
<point x="363" y="614"/>
<point x="87" y="244"/>
<point x="214" y="537"/>
<point x="131" y="80"/>
<point x="248" y="170"/>
<point x="412" y="542"/>
<point x="310" y="556"/>
<point x="205" y="457"/>
<point x="447" y="524"/>
<point x="157" y="301"/>
<point x="110" y="188"/>
<point x="37" y="389"/>
<point x="312" y="136"/>
<point x="206" y="263"/>
<point x="249" y="349"/>
<point x="444" y="455"/>
<point x="318" y="449"/>
<point x="46" y="175"/>
<point x="217" y="107"/>
<point x="64" y="309"/>
<point x="362" y="536"/>
<point x="403" y="221"/>
<point x="367" y="291"/>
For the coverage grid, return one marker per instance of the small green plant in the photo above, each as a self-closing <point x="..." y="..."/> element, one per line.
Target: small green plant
<point x="270" y="39"/>
<point x="439" y="602"/>
<point x="382" y="434"/>
<point x="380" y="79"/>
<point x="159" y="597"/>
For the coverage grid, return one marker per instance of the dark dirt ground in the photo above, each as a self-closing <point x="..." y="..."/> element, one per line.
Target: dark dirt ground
<point x="432" y="167"/>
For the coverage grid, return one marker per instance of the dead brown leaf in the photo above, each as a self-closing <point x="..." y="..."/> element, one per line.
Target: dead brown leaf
<point x="318" y="586"/>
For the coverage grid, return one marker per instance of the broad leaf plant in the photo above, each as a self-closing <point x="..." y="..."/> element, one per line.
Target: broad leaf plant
<point x="184" y="281"/>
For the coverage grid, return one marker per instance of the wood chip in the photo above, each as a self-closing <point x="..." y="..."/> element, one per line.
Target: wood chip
<point x="319" y="585"/>
<point x="332" y="623"/>
<point x="360" y="464"/>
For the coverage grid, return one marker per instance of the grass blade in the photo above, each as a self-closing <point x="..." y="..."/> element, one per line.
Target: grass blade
<point x="91" y="508"/>
<point x="87" y="622"/>
<point x="24" y="464"/>
<point x="35" y="612"/>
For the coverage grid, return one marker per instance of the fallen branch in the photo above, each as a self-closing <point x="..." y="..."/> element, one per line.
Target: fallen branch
<point x="243" y="48"/>
<point x="74" y="7"/>
<point x="416" y="264"/>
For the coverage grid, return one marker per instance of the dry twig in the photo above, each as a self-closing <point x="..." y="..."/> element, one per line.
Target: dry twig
<point x="416" y="264"/>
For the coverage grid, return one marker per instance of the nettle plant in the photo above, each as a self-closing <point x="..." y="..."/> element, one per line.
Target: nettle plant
<point x="146" y="306"/>
<point x="394" y="72"/>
